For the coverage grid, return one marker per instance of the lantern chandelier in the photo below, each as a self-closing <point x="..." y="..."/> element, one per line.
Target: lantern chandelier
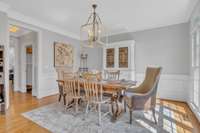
<point x="93" y="30"/>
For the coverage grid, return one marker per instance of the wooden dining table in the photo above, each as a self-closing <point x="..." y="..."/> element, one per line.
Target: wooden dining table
<point x="116" y="89"/>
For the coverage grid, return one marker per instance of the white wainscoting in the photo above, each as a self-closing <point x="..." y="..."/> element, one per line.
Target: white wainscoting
<point x="171" y="86"/>
<point x="49" y="85"/>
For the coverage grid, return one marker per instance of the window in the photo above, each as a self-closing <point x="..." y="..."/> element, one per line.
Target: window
<point x="196" y="68"/>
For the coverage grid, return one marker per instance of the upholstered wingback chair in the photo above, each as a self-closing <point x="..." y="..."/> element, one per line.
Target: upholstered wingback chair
<point x="143" y="97"/>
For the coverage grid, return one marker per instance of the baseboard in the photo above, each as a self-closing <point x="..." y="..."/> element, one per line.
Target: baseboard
<point x="194" y="110"/>
<point x="47" y="93"/>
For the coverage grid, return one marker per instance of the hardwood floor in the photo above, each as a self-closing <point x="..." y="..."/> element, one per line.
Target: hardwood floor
<point x="178" y="117"/>
<point x="14" y="122"/>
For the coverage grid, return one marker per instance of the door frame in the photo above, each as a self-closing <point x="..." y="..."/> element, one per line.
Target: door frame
<point x="37" y="63"/>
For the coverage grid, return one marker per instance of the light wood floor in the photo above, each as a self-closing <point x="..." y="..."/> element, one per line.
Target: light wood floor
<point x="182" y="120"/>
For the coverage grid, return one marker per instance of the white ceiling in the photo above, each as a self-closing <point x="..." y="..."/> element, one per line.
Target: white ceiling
<point x="118" y="15"/>
<point x="20" y="32"/>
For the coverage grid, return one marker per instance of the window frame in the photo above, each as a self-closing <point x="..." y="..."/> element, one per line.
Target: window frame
<point x="195" y="39"/>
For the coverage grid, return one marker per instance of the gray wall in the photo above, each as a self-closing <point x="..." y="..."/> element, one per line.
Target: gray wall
<point x="49" y="76"/>
<point x="3" y="28"/>
<point x="48" y="39"/>
<point x="167" y="47"/>
<point x="95" y="58"/>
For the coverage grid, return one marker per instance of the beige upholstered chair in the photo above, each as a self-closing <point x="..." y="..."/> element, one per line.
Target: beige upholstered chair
<point x="143" y="97"/>
<point x="94" y="96"/>
<point x="111" y="75"/>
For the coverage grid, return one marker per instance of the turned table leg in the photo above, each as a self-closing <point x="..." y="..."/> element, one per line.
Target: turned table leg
<point x="116" y="107"/>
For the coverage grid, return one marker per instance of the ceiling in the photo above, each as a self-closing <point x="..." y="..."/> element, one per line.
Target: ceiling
<point x="117" y="15"/>
<point x="20" y="32"/>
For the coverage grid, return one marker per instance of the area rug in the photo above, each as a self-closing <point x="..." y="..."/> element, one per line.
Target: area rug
<point x="56" y="119"/>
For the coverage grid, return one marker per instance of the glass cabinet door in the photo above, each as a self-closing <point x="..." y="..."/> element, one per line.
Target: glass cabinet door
<point x="110" y="58"/>
<point x="123" y="57"/>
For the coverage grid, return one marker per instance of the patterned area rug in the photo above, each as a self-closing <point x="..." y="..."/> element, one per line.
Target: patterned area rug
<point x="56" y="119"/>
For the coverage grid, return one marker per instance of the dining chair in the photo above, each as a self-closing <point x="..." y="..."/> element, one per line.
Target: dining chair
<point x="63" y="75"/>
<point x="92" y="76"/>
<point x="143" y="97"/>
<point x="69" y="75"/>
<point x="62" y="93"/>
<point x="73" y="94"/>
<point x="94" y="96"/>
<point x="111" y="74"/>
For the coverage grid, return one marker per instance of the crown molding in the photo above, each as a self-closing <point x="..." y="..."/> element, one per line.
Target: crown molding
<point x="12" y="14"/>
<point x="29" y="20"/>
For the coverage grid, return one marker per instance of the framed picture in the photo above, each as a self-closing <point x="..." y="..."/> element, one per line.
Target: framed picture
<point x="63" y="55"/>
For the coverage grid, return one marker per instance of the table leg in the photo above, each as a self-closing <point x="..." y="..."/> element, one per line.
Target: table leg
<point x="116" y="108"/>
<point x="124" y="100"/>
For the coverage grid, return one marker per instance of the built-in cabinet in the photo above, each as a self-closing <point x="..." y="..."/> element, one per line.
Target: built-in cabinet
<point x="120" y="56"/>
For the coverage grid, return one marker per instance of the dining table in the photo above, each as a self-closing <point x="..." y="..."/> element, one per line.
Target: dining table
<point x="116" y="89"/>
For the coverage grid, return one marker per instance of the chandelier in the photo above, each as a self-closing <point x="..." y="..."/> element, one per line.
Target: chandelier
<point x="92" y="31"/>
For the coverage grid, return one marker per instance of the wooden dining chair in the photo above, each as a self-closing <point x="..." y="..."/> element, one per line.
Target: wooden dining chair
<point x="73" y="94"/>
<point x="94" y="96"/>
<point x="111" y="74"/>
<point x="143" y="97"/>
<point x="68" y="75"/>
<point x="92" y="76"/>
<point x="62" y="93"/>
<point x="63" y="75"/>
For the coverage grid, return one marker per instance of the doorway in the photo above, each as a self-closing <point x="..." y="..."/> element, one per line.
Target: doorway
<point x="22" y="49"/>
<point x="29" y="69"/>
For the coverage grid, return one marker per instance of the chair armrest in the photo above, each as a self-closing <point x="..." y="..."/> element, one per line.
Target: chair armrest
<point x="134" y="89"/>
<point x="132" y="94"/>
